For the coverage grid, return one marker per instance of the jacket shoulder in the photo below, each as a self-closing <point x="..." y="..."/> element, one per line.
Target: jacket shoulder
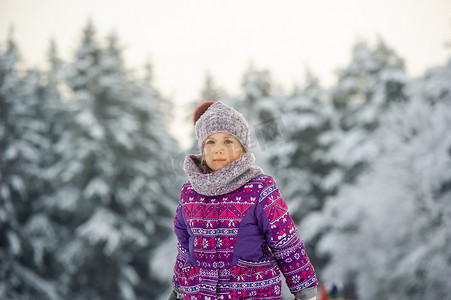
<point x="187" y="185"/>
<point x="186" y="192"/>
<point x="263" y="179"/>
<point x="261" y="184"/>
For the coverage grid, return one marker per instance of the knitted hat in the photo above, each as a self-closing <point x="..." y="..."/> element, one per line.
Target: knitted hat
<point x="219" y="117"/>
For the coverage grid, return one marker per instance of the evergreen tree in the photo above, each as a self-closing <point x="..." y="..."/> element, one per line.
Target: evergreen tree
<point x="210" y="91"/>
<point x="373" y="81"/>
<point x="55" y="90"/>
<point x="391" y="229"/>
<point x="257" y="85"/>
<point x="26" y="235"/>
<point x="110" y="191"/>
<point x="300" y="159"/>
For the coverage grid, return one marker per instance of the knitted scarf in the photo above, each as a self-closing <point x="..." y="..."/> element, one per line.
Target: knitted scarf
<point x="226" y="180"/>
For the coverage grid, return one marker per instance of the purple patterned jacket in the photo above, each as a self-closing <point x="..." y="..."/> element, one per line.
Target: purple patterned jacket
<point x="234" y="246"/>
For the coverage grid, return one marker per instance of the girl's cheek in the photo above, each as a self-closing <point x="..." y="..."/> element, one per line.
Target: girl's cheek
<point x="207" y="151"/>
<point x="231" y="151"/>
<point x="234" y="152"/>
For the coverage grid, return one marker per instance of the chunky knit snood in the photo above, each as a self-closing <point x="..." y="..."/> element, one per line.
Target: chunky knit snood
<point x="223" y="181"/>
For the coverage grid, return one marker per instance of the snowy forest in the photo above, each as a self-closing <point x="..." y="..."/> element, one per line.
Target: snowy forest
<point x="90" y="175"/>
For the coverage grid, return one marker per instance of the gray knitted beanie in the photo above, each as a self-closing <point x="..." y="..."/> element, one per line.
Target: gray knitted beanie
<point x="220" y="117"/>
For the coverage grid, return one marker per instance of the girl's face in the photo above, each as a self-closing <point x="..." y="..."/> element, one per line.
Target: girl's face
<point x="220" y="149"/>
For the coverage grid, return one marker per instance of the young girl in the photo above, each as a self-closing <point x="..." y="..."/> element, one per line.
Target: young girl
<point x="234" y="232"/>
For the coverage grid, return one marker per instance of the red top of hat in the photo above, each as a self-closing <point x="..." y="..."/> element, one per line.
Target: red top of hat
<point x="201" y="109"/>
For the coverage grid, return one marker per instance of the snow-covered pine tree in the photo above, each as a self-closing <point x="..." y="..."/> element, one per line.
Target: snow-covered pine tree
<point x="211" y="91"/>
<point x="55" y="88"/>
<point x="26" y="235"/>
<point x="374" y="79"/>
<point x="164" y="191"/>
<point x="299" y="159"/>
<point x="389" y="234"/>
<point x="256" y="85"/>
<point x="110" y="191"/>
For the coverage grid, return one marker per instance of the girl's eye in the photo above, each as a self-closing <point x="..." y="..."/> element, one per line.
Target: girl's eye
<point x="228" y="142"/>
<point x="210" y="142"/>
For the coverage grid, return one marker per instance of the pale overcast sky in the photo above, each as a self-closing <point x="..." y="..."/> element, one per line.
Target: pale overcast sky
<point x="186" y="38"/>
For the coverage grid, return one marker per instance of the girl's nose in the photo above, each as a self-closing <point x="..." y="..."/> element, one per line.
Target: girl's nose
<point x="219" y="150"/>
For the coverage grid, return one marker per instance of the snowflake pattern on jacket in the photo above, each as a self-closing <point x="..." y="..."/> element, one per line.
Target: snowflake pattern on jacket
<point x="234" y="246"/>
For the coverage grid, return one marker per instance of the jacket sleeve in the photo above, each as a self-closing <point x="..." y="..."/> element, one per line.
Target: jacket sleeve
<point x="287" y="248"/>
<point x="180" y="229"/>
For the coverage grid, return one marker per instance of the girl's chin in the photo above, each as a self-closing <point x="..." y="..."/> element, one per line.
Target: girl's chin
<point x="218" y="166"/>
